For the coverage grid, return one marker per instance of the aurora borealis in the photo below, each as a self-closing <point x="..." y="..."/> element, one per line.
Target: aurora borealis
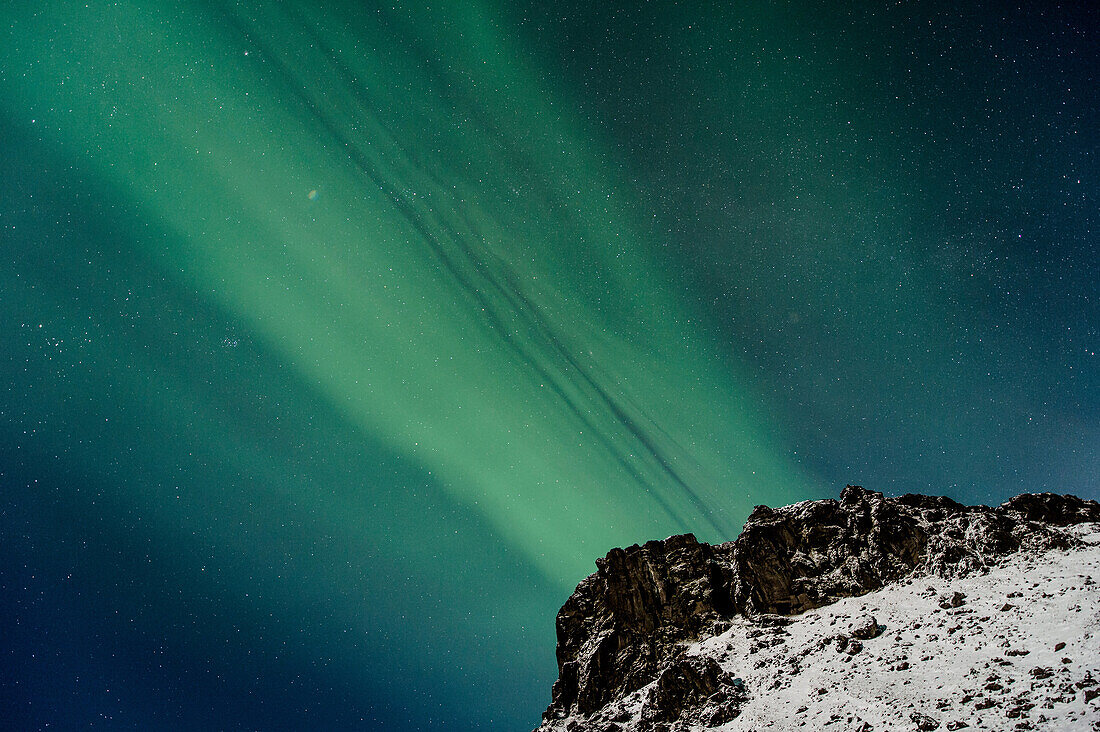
<point x="337" y="342"/>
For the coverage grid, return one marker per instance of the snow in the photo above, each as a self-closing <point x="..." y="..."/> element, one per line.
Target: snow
<point x="959" y="659"/>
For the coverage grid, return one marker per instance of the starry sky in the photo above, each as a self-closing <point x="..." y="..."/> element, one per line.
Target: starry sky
<point x="338" y="339"/>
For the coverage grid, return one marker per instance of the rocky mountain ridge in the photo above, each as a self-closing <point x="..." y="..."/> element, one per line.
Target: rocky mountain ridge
<point x="627" y="627"/>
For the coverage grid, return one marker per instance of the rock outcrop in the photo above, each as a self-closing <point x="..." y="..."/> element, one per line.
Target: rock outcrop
<point x="628" y="624"/>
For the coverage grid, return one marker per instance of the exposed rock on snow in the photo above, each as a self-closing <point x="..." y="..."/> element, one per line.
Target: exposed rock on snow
<point x="977" y="617"/>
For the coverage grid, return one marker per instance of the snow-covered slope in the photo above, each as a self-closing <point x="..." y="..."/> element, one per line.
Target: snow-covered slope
<point x="1020" y="651"/>
<point x="1011" y="644"/>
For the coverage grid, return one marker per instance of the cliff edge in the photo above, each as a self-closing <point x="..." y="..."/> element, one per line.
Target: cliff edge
<point x="629" y="630"/>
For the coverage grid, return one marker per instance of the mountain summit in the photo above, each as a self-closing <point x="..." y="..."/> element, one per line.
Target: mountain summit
<point x="866" y="613"/>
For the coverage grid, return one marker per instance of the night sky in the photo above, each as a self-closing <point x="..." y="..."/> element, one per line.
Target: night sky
<point x="337" y="342"/>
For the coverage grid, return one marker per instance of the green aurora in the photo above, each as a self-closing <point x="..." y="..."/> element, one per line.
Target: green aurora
<point x="339" y="341"/>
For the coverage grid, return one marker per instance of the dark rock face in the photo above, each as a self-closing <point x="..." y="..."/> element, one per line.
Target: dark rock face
<point x="807" y="555"/>
<point x="626" y="625"/>
<point x="625" y="621"/>
<point x="687" y="683"/>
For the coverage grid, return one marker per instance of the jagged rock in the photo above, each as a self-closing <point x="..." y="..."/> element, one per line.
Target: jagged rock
<point x="924" y="722"/>
<point x="1051" y="508"/>
<point x="956" y="599"/>
<point x="683" y="685"/>
<point x="624" y="622"/>
<point x="866" y="628"/>
<point x="626" y="625"/>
